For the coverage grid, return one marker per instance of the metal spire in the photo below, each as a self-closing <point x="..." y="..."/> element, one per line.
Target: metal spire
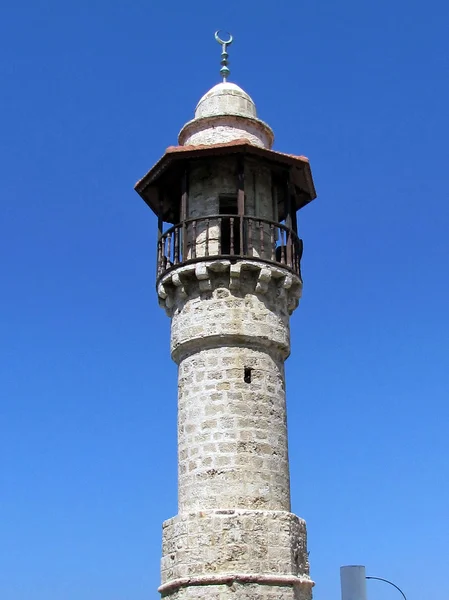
<point x="224" y="55"/>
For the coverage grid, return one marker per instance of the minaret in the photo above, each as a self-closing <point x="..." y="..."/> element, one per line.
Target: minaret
<point x="228" y="276"/>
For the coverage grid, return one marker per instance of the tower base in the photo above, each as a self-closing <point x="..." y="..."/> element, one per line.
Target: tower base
<point x="238" y="554"/>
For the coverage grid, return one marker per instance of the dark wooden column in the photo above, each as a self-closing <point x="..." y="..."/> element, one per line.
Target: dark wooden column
<point x="289" y="211"/>
<point x="241" y="202"/>
<point x="296" y="245"/>
<point x="160" y="224"/>
<point x="184" y="211"/>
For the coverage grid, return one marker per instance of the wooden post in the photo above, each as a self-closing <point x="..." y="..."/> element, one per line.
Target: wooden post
<point x="241" y="203"/>
<point x="288" y="220"/>
<point x="184" y="212"/>
<point x="296" y="243"/>
<point x="160" y="225"/>
<point x="274" y="200"/>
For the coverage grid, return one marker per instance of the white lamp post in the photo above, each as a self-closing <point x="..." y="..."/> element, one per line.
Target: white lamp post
<point x="353" y="582"/>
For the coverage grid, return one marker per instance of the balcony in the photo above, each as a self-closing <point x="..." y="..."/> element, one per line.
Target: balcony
<point x="229" y="237"/>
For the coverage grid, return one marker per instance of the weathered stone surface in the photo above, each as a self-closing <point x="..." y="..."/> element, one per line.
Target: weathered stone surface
<point x="234" y="537"/>
<point x="223" y="129"/>
<point x="226" y="98"/>
<point x="232" y="434"/>
<point x="234" y="533"/>
<point x="235" y="590"/>
<point x="251" y="554"/>
<point x="227" y="543"/>
<point x="219" y="316"/>
<point x="223" y="114"/>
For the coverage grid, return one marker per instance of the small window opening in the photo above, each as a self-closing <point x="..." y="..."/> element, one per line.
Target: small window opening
<point x="230" y="243"/>
<point x="247" y="375"/>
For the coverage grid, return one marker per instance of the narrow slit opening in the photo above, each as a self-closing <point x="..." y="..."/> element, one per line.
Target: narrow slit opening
<point x="247" y="375"/>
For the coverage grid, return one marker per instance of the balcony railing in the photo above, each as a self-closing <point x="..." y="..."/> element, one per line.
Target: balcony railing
<point x="231" y="237"/>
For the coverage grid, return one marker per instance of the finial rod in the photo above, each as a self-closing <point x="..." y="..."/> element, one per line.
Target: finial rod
<point x="224" y="55"/>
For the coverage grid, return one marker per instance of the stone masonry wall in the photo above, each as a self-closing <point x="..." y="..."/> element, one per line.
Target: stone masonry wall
<point x="225" y="128"/>
<point x="207" y="313"/>
<point x="232" y="432"/>
<point x="234" y="536"/>
<point x="242" y="591"/>
<point x="235" y="548"/>
<point x="210" y="179"/>
<point x="234" y="533"/>
<point x="206" y="183"/>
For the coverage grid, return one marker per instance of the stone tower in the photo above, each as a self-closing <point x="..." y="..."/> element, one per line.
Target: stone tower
<point x="228" y="276"/>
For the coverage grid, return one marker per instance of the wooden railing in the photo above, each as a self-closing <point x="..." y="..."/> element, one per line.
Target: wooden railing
<point x="229" y="236"/>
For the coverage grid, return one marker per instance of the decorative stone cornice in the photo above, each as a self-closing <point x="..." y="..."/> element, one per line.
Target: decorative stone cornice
<point x="173" y="287"/>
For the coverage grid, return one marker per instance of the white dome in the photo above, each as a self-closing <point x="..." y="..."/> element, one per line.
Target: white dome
<point x="226" y="99"/>
<point x="224" y="114"/>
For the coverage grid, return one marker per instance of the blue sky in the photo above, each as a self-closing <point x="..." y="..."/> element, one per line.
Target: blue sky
<point x="92" y="94"/>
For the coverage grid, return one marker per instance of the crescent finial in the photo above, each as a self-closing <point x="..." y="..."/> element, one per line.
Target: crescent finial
<point x="224" y="55"/>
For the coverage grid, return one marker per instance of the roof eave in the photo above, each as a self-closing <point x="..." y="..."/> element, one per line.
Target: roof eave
<point x="176" y="153"/>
